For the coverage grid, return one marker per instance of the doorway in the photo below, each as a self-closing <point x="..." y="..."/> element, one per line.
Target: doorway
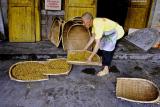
<point x="115" y="10"/>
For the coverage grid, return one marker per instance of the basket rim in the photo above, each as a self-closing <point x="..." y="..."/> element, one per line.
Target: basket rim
<point x="157" y="100"/>
<point x="83" y="63"/>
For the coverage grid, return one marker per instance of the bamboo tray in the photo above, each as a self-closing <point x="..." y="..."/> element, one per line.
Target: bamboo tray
<point x="25" y="64"/>
<point x="137" y="90"/>
<point x="79" y="57"/>
<point x="45" y="68"/>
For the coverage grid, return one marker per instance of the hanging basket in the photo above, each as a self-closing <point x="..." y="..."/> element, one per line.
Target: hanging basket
<point x="137" y="90"/>
<point x="55" y="31"/>
<point x="79" y="57"/>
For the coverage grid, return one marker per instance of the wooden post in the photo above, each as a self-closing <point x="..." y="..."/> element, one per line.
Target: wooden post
<point x="2" y="31"/>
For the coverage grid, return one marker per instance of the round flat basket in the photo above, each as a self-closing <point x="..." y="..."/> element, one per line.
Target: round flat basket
<point x="78" y="36"/>
<point x="137" y="90"/>
<point x="55" y="31"/>
<point x="31" y="71"/>
<point x="28" y="71"/>
<point x="79" y="57"/>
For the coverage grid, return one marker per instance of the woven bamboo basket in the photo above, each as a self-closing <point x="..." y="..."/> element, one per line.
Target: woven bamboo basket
<point x="137" y="90"/>
<point x="77" y="37"/>
<point x="66" y="26"/>
<point x="28" y="71"/>
<point x="55" y="31"/>
<point x="79" y="57"/>
<point x="24" y="64"/>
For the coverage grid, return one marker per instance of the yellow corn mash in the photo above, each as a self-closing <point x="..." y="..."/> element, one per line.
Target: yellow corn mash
<point x="59" y="66"/>
<point x="81" y="56"/>
<point x="31" y="71"/>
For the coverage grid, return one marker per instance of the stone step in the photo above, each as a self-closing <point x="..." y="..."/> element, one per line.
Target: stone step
<point x="117" y="56"/>
<point x="45" y="50"/>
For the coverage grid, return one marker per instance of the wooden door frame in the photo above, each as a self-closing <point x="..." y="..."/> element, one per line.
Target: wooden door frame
<point x="151" y="12"/>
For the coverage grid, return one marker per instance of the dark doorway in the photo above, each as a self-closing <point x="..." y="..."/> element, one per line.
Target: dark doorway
<point x="115" y="10"/>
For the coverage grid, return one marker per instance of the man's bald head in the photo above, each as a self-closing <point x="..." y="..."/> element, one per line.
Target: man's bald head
<point x="87" y="19"/>
<point x="87" y="16"/>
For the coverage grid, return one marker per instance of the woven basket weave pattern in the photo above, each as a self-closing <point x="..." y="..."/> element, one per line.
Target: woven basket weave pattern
<point x="137" y="90"/>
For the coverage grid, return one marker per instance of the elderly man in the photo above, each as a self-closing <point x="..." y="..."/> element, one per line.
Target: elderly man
<point x="106" y="33"/>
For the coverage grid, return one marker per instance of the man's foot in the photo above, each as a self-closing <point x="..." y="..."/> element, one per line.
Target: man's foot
<point x="102" y="73"/>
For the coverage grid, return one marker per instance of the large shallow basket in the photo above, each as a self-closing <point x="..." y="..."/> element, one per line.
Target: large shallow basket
<point x="137" y="90"/>
<point x="31" y="71"/>
<point x="55" y="31"/>
<point x="79" y="57"/>
<point x="77" y="37"/>
<point x="21" y="69"/>
<point x="75" y="28"/>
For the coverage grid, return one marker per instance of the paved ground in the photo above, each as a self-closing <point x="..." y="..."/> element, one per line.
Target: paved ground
<point x="77" y="89"/>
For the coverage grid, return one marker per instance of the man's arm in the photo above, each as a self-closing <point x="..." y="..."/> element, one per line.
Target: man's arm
<point x="90" y="42"/>
<point x="95" y="49"/>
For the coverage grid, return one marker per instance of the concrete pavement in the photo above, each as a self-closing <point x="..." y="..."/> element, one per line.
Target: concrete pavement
<point x="76" y="89"/>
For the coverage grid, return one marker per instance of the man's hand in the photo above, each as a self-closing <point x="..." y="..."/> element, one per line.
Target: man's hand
<point x="89" y="59"/>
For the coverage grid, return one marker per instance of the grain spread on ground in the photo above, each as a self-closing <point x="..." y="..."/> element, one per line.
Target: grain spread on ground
<point x="29" y="71"/>
<point x="59" y="66"/>
<point x="32" y="71"/>
<point x="81" y="56"/>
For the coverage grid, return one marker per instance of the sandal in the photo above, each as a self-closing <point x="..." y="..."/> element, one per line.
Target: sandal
<point x="102" y="73"/>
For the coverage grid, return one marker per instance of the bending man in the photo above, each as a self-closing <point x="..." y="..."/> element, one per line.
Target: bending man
<point x="106" y="33"/>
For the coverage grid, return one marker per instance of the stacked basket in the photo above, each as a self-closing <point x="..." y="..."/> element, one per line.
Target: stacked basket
<point x="73" y="33"/>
